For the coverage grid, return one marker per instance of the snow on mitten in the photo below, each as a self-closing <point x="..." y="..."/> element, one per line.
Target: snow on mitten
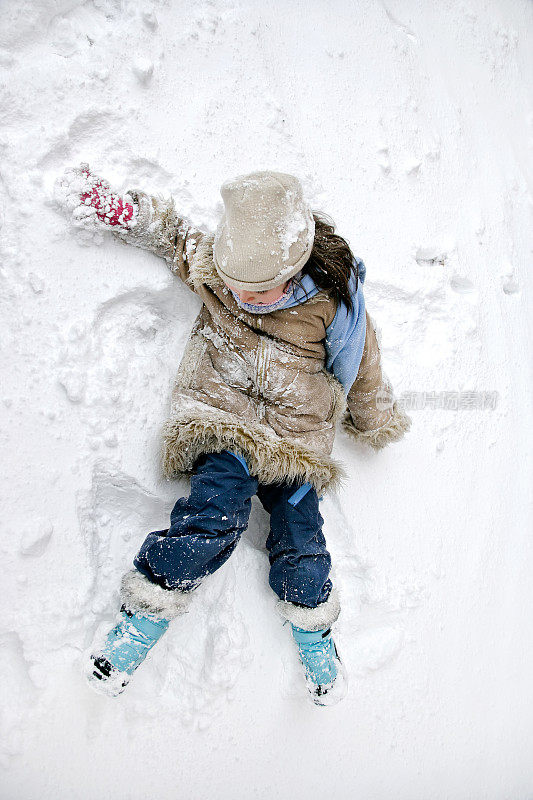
<point x="89" y="201"/>
<point x="110" y="208"/>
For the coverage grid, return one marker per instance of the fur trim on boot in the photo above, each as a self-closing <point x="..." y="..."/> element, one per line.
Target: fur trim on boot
<point x="311" y="619"/>
<point x="140" y="594"/>
<point x="394" y="430"/>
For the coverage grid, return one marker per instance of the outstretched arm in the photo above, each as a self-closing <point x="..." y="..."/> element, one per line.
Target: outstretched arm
<point x="373" y="415"/>
<point x="136" y="218"/>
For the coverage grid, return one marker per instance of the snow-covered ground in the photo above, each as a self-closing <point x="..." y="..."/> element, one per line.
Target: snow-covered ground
<point x="411" y="124"/>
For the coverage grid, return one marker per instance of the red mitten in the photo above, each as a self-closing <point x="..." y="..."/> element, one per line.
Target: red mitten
<point x="110" y="208"/>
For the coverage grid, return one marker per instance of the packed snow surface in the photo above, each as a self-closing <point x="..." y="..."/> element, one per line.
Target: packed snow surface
<point x="411" y="125"/>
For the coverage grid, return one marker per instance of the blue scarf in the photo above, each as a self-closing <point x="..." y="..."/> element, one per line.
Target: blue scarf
<point x="345" y="336"/>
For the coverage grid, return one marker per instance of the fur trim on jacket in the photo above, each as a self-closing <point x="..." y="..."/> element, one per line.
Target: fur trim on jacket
<point x="184" y="440"/>
<point x="393" y="430"/>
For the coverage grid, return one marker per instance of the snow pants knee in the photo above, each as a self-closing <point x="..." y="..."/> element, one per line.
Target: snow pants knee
<point x="205" y="529"/>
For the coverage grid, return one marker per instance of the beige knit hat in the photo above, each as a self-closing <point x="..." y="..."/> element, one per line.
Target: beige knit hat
<point x="266" y="233"/>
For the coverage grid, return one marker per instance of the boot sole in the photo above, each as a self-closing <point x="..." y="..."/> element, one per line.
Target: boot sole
<point x="105" y="678"/>
<point x="332" y="693"/>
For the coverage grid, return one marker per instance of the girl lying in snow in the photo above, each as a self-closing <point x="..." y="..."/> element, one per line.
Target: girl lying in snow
<point x="281" y="351"/>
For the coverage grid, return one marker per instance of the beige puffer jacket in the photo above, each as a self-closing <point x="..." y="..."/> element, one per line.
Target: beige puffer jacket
<point x="256" y="383"/>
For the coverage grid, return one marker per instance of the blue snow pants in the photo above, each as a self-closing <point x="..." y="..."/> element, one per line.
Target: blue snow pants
<point x="206" y="527"/>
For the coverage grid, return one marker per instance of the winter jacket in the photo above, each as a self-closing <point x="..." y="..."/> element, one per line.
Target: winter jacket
<point x="258" y="383"/>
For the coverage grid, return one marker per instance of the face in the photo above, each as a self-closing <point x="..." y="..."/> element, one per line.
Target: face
<point x="260" y="298"/>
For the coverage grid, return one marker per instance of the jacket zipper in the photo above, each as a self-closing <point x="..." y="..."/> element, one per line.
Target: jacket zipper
<point x="261" y="367"/>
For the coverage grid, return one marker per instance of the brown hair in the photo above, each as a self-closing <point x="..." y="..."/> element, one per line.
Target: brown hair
<point x="331" y="263"/>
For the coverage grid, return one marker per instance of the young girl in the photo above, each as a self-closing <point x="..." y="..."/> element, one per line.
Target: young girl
<point x="281" y="351"/>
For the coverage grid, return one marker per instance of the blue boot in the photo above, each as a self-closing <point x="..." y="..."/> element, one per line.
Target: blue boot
<point x="125" y="648"/>
<point x="324" y="673"/>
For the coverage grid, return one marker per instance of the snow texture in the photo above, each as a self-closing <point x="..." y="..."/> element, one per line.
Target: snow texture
<point x="411" y="124"/>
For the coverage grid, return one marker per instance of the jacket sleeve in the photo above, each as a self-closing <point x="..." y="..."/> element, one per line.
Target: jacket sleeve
<point x="157" y="227"/>
<point x="373" y="415"/>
